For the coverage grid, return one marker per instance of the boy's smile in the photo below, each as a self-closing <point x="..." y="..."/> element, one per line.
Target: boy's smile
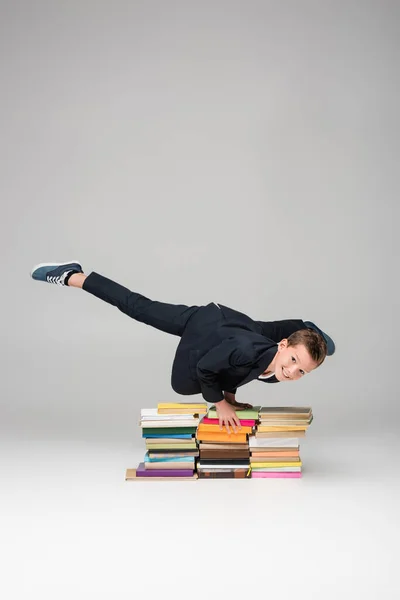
<point x="291" y="362"/>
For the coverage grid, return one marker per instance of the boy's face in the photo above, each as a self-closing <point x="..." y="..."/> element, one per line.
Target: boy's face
<point x="292" y="362"/>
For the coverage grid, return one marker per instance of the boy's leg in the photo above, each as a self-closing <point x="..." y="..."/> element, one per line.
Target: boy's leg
<point x="170" y="318"/>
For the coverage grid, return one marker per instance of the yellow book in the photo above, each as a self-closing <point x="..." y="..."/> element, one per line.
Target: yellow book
<point x="265" y="465"/>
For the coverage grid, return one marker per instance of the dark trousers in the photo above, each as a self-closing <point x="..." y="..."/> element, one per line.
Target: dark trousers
<point x="170" y="318"/>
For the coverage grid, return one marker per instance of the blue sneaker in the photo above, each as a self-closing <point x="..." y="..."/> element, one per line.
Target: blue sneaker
<point x="55" y="272"/>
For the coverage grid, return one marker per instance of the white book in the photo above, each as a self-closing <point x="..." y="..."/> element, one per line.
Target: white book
<point x="212" y="467"/>
<point x="271" y="442"/>
<point x="152" y="415"/>
<point x="164" y="425"/>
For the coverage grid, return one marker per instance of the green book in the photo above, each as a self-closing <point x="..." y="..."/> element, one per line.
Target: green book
<point x="162" y="431"/>
<point x="246" y="413"/>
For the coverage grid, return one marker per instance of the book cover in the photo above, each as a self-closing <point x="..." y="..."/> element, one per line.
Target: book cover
<point x="169" y="459"/>
<point x="283" y="434"/>
<point x="243" y="422"/>
<point x="222" y="446"/>
<point x="275" y="454"/>
<point x="181" y="405"/>
<point x="285" y="422"/>
<point x="229" y="474"/>
<point x="153" y="415"/>
<point x="233" y="438"/>
<point x="284" y="463"/>
<point x="141" y="471"/>
<point x="172" y="453"/>
<point x="297" y="411"/>
<point x="170" y="436"/>
<point x="263" y="428"/>
<point x="264" y="475"/>
<point x="295" y="460"/>
<point x="276" y="469"/>
<point x="167" y="425"/>
<point x="191" y="446"/>
<point x="271" y="442"/>
<point x="131" y="475"/>
<point x="231" y="454"/>
<point x="169" y="466"/>
<point x="247" y="413"/>
<point x="161" y="430"/>
<point x="223" y="462"/>
<point x="215" y="428"/>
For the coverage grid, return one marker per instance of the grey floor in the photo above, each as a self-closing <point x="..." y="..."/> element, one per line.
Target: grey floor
<point x="72" y="527"/>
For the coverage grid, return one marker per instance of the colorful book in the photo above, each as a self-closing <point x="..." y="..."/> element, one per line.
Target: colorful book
<point x="169" y="459"/>
<point x="161" y="430"/>
<point x="172" y="453"/>
<point x="231" y="454"/>
<point x="153" y="415"/>
<point x="170" y="436"/>
<point x="296" y="411"/>
<point x="233" y="438"/>
<point x="216" y="428"/>
<point x="141" y="471"/>
<point x="131" y="475"/>
<point x="276" y="469"/>
<point x="227" y="474"/>
<point x="271" y="442"/>
<point x="274" y="453"/>
<point x="169" y="424"/>
<point x="246" y="413"/>
<point x="264" y="465"/>
<point x="282" y="434"/>
<point x="189" y="446"/>
<point x="265" y="475"/>
<point x="243" y="422"/>
<point x="225" y="463"/>
<point x="262" y="428"/>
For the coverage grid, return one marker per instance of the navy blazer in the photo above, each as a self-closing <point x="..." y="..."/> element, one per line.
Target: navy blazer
<point x="222" y="349"/>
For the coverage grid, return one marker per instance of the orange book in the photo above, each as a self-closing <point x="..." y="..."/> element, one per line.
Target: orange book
<point x="206" y="427"/>
<point x="222" y="436"/>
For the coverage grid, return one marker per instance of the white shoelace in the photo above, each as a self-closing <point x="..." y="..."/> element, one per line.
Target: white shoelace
<point x="59" y="280"/>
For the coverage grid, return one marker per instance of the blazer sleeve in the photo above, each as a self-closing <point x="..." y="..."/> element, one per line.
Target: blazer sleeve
<point x="230" y="353"/>
<point x="278" y="330"/>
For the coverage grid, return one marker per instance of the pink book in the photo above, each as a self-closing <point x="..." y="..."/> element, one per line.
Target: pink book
<point x="244" y="422"/>
<point x="282" y="475"/>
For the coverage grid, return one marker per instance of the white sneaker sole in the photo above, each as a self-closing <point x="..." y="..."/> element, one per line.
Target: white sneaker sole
<point x="46" y="264"/>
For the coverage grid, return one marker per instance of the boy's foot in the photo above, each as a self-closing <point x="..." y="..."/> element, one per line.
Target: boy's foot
<point x="55" y="272"/>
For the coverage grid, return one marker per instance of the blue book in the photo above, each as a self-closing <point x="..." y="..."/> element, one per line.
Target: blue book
<point x="185" y="459"/>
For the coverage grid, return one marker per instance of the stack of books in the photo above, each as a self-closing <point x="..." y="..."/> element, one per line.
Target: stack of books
<point x="275" y="447"/>
<point x="171" y="449"/>
<point x="224" y="455"/>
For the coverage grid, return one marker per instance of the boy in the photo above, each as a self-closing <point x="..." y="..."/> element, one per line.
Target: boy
<point x="220" y="349"/>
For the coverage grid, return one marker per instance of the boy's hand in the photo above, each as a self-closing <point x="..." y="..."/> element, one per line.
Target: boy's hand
<point x="227" y="416"/>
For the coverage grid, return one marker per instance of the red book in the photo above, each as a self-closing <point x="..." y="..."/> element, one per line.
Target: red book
<point x="243" y="422"/>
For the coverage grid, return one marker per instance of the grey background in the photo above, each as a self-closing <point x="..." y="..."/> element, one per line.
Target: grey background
<point x="241" y="152"/>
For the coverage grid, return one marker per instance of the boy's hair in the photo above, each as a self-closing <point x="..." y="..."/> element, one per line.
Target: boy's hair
<point x="313" y="341"/>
